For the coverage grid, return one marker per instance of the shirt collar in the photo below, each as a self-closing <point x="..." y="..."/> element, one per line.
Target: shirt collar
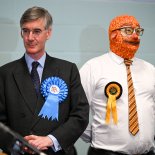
<point x="117" y="58"/>
<point x="29" y="61"/>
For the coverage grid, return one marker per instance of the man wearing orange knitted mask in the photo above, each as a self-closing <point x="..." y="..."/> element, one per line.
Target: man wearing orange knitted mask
<point x="124" y="36"/>
<point x="121" y="90"/>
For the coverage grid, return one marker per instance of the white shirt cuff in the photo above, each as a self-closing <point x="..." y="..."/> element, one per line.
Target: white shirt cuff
<point x="56" y="146"/>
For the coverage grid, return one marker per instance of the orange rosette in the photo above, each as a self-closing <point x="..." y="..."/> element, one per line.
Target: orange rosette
<point x="113" y="91"/>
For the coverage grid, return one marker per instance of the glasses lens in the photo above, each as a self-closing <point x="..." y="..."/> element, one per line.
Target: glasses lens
<point x="37" y="32"/>
<point x="25" y="32"/>
<point x="139" y="31"/>
<point x="128" y="30"/>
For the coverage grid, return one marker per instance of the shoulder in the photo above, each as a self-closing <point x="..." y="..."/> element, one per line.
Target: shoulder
<point x="11" y="65"/>
<point x="97" y="59"/>
<point x="145" y="66"/>
<point x="61" y="64"/>
<point x="95" y="62"/>
<point x="143" y="63"/>
<point x="59" y="61"/>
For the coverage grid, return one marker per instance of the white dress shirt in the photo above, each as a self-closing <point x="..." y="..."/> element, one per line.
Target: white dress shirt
<point x="95" y="75"/>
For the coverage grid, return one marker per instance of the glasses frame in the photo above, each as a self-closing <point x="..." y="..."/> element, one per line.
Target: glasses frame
<point x="35" y="32"/>
<point x="133" y="30"/>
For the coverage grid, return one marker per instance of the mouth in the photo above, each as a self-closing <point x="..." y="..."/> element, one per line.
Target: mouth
<point x="31" y="45"/>
<point x="135" y="43"/>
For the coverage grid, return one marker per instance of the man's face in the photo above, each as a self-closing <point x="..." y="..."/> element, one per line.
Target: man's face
<point x="124" y="35"/>
<point x="34" y="37"/>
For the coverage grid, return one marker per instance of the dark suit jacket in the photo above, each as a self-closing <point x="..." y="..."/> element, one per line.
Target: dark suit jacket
<point x="19" y="105"/>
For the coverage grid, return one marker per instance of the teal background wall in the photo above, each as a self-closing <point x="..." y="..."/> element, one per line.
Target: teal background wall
<point x="79" y="30"/>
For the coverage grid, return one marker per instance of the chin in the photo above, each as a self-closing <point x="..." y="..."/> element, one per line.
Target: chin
<point x="134" y="47"/>
<point x="31" y="51"/>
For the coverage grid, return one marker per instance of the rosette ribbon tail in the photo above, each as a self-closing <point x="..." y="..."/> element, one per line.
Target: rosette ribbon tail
<point x="111" y="107"/>
<point x="114" y="110"/>
<point x="50" y="107"/>
<point x="107" y="119"/>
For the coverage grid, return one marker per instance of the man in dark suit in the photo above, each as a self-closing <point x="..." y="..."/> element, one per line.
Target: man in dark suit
<point x="53" y="116"/>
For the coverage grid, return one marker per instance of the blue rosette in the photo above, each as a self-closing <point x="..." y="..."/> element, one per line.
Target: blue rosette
<point x="55" y="90"/>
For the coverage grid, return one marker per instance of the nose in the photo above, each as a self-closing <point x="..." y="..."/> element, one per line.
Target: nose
<point x="31" y="36"/>
<point x="135" y="36"/>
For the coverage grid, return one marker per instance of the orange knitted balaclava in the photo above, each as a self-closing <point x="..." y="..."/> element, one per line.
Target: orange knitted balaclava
<point x="124" y="46"/>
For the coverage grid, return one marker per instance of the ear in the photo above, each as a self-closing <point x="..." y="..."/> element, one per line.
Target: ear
<point x="113" y="35"/>
<point x="49" y="33"/>
<point x="21" y="34"/>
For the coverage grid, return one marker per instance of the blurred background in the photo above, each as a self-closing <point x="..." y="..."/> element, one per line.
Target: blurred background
<point x="80" y="30"/>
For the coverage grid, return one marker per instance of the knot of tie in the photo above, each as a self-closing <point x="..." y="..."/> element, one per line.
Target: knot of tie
<point x="35" y="64"/>
<point x="127" y="62"/>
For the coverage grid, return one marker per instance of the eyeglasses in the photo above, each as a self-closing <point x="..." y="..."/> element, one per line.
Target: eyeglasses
<point x="35" y="32"/>
<point x="130" y="30"/>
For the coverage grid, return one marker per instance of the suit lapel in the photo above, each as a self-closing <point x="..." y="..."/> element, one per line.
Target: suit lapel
<point x="25" y="85"/>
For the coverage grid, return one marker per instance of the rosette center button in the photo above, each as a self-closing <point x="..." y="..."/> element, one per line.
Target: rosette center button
<point x="54" y="89"/>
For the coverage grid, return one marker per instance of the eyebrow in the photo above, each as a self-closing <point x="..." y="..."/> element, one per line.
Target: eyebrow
<point x="129" y="24"/>
<point x="126" y="24"/>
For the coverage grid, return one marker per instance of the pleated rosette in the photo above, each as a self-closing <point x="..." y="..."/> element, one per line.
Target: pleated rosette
<point x="55" y="91"/>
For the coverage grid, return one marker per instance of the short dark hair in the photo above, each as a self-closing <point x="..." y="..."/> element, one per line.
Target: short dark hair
<point x="35" y="13"/>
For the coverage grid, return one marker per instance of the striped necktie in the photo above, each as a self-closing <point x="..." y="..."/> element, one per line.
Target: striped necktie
<point x="133" y="117"/>
<point x="35" y="76"/>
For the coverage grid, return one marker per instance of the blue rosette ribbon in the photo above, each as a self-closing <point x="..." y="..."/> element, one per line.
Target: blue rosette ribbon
<point x="55" y="90"/>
